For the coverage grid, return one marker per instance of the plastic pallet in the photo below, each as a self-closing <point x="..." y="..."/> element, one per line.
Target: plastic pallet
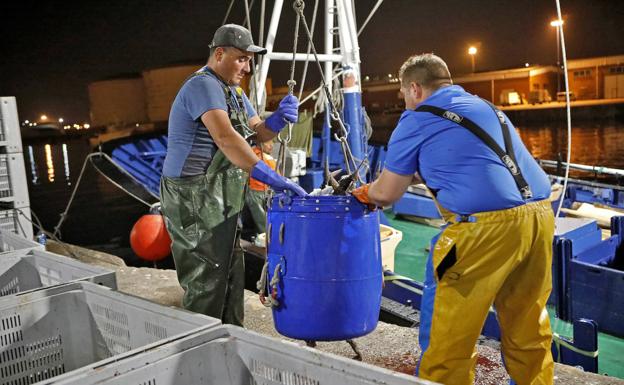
<point x="25" y="270"/>
<point x="232" y="355"/>
<point x="50" y="332"/>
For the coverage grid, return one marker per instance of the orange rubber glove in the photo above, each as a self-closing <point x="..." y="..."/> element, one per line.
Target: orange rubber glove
<point x="361" y="194"/>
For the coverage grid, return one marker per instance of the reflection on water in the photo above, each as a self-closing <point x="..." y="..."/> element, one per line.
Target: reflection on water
<point x="34" y="177"/>
<point x="592" y="144"/>
<point x="86" y="223"/>
<point x="49" y="162"/>
<point x="66" y="164"/>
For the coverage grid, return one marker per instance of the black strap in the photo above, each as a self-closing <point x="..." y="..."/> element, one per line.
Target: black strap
<point x="233" y="99"/>
<point x="508" y="158"/>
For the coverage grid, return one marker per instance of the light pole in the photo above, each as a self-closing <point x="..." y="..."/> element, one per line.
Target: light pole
<point x="558" y="23"/>
<point x="472" y="51"/>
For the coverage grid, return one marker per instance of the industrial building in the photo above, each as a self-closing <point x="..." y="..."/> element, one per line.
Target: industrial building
<point x="589" y="78"/>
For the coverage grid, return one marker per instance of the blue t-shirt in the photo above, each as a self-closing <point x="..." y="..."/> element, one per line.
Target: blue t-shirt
<point x="465" y="175"/>
<point x="190" y="147"/>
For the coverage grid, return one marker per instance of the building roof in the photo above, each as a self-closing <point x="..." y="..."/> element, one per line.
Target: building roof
<point x="595" y="61"/>
<point x="525" y="72"/>
<point x="513" y="73"/>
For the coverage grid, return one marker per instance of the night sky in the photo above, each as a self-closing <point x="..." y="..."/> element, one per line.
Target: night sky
<point x="51" y="50"/>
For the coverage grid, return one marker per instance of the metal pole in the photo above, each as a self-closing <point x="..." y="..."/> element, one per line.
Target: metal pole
<point x="472" y="63"/>
<point x="264" y="66"/>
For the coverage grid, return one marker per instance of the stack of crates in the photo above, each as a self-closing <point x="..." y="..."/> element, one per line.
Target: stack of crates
<point x="34" y="269"/>
<point x="10" y="241"/>
<point x="62" y="322"/>
<point x="231" y="355"/>
<point x="61" y="329"/>
<point x="588" y="273"/>
<point x="14" y="200"/>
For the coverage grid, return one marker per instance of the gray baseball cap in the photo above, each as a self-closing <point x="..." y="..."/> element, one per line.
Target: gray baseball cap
<point x="233" y="35"/>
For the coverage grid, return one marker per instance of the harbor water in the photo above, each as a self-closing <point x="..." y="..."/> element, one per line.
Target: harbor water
<point x="102" y="216"/>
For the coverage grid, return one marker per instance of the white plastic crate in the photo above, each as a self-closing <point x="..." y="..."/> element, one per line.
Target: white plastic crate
<point x="232" y="355"/>
<point x="24" y="270"/>
<point x="10" y="135"/>
<point x="11" y="220"/>
<point x="10" y="241"/>
<point x="49" y="332"/>
<point x="13" y="186"/>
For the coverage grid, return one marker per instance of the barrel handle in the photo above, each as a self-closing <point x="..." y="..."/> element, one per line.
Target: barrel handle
<point x="281" y="233"/>
<point x="271" y="300"/>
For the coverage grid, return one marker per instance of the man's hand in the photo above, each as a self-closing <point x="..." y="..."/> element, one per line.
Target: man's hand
<point x="361" y="194"/>
<point x="262" y="172"/>
<point x="287" y="112"/>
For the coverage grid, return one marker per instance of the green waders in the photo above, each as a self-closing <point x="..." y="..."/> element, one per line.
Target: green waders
<point x="255" y="203"/>
<point x="202" y="215"/>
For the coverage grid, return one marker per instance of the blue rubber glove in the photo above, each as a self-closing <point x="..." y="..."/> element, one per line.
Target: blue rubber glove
<point x="262" y="172"/>
<point x="287" y="112"/>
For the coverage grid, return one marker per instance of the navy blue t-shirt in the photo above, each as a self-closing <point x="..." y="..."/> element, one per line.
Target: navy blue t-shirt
<point x="466" y="175"/>
<point x="190" y="147"/>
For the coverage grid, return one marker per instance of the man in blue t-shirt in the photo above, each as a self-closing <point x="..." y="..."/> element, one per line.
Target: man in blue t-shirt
<point x="208" y="162"/>
<point x="496" y="247"/>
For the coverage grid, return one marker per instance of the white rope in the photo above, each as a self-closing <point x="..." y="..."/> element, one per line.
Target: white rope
<point x="89" y="157"/>
<point x="568" y="114"/>
<point x="370" y="15"/>
<point x="40" y="228"/>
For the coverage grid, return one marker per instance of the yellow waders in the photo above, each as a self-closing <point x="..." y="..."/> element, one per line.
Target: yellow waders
<point x="501" y="258"/>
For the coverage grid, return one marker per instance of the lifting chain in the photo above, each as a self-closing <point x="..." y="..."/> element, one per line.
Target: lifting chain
<point x="335" y="115"/>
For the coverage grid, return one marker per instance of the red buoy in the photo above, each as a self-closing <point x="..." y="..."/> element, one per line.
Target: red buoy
<point x="149" y="238"/>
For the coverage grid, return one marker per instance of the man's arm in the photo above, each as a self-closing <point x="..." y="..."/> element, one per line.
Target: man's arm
<point x="388" y="188"/>
<point x="263" y="133"/>
<point x="233" y="145"/>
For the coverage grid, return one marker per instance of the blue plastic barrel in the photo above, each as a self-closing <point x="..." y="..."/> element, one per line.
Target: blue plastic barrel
<point x="326" y="253"/>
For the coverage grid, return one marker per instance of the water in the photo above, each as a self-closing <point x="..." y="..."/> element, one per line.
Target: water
<point x="102" y="216"/>
<point x="592" y="144"/>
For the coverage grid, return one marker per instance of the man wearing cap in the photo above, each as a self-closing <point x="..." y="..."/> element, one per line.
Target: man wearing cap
<point x="205" y="173"/>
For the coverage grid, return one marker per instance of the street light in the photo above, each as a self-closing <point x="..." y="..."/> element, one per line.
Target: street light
<point x="558" y="23"/>
<point x="472" y="51"/>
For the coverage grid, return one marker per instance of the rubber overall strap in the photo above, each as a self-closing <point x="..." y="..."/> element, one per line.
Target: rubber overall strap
<point x="240" y="105"/>
<point x="508" y="158"/>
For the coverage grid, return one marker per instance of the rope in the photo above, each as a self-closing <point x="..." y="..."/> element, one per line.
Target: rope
<point x="305" y="64"/>
<point x="320" y="88"/>
<point x="105" y="156"/>
<point x="227" y="13"/>
<point x="253" y="61"/>
<point x="40" y="228"/>
<point x="370" y="15"/>
<point x="335" y="115"/>
<point x="560" y="341"/>
<point x="569" y="118"/>
<point x="57" y="228"/>
<point x="270" y="301"/>
<point x="298" y="6"/>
